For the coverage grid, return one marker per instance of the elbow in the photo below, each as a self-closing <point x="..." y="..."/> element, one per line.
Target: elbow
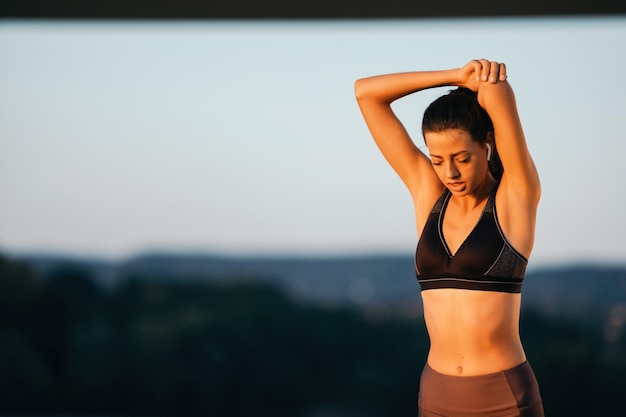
<point x="360" y="89"/>
<point x="370" y="90"/>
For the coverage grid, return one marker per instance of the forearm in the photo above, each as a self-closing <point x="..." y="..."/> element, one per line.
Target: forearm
<point x="390" y="87"/>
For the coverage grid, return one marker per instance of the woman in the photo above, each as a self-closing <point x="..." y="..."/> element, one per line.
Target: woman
<point x="475" y="203"/>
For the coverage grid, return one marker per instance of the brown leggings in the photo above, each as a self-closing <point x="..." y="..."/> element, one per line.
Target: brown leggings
<point x="510" y="393"/>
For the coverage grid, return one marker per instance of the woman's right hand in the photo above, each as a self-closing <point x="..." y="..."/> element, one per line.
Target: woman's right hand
<point x="479" y="71"/>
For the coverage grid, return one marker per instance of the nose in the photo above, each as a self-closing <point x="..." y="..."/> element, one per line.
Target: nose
<point x="451" y="171"/>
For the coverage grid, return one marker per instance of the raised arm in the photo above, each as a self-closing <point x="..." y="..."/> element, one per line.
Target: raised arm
<point x="375" y="95"/>
<point x="520" y="189"/>
<point x="520" y="172"/>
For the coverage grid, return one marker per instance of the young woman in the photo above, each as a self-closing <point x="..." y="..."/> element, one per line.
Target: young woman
<point x="475" y="200"/>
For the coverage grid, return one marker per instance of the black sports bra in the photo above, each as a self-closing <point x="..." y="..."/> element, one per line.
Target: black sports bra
<point x="484" y="261"/>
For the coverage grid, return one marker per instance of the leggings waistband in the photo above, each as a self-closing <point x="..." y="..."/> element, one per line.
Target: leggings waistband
<point x="512" y="392"/>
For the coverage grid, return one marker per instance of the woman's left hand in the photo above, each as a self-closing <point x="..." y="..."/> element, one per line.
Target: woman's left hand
<point x="479" y="71"/>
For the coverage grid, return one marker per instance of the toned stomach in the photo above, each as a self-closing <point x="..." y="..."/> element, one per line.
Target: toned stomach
<point x="472" y="332"/>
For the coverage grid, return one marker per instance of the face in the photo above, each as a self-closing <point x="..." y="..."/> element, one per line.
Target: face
<point x="460" y="162"/>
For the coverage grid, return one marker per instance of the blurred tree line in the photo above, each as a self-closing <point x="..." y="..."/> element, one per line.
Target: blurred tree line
<point x="166" y="347"/>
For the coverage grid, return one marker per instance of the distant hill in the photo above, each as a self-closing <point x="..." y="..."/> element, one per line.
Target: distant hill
<point x="576" y="291"/>
<point x="385" y="283"/>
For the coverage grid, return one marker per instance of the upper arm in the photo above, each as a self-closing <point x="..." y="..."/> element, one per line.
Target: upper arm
<point x="520" y="174"/>
<point x="520" y="188"/>
<point x="394" y="142"/>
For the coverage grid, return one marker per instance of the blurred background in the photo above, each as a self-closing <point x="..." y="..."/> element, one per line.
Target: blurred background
<point x="195" y="220"/>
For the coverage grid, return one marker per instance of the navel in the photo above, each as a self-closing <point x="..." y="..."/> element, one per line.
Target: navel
<point x="460" y="369"/>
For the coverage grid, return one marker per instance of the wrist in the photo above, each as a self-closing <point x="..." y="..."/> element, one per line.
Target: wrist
<point x="447" y="77"/>
<point x="458" y="77"/>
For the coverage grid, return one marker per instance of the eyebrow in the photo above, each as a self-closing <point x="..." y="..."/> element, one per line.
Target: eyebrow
<point x="453" y="155"/>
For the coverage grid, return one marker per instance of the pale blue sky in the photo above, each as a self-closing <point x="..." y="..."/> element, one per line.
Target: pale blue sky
<point x="244" y="137"/>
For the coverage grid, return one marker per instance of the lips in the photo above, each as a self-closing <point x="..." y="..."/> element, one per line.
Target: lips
<point x="456" y="186"/>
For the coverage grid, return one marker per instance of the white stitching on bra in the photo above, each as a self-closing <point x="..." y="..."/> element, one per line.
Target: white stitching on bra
<point x="496" y="261"/>
<point x="442" y="209"/>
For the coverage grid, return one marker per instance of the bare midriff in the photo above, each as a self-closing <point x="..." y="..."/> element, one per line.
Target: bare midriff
<point x="472" y="332"/>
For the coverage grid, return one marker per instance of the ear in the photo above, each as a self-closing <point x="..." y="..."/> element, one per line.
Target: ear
<point x="489" y="144"/>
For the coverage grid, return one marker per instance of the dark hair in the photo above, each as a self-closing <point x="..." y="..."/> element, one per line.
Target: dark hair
<point x="459" y="109"/>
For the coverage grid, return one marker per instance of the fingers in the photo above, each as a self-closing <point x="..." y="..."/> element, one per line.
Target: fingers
<point x="502" y="72"/>
<point x="490" y="71"/>
<point x="493" y="72"/>
<point x="477" y="69"/>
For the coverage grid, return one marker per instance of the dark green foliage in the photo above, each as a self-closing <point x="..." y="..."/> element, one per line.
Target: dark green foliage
<point x="160" y="346"/>
<point x="576" y="375"/>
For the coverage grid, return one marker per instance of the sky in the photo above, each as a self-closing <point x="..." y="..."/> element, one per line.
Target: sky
<point x="244" y="137"/>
